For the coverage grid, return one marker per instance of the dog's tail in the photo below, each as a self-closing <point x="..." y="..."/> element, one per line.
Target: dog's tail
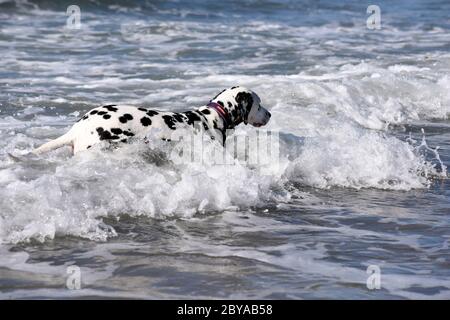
<point x="54" y="144"/>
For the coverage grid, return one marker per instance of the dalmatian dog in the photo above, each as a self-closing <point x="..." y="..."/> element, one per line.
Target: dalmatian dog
<point x="121" y="123"/>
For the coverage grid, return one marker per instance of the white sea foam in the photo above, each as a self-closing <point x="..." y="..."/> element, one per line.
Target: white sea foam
<point x="327" y="127"/>
<point x="63" y="195"/>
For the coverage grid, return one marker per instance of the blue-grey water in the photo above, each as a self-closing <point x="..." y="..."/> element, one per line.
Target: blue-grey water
<point x="361" y="179"/>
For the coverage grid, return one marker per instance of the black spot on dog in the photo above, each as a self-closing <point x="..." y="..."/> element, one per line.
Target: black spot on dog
<point x="169" y="122"/>
<point x="128" y="133"/>
<point x="244" y="98"/>
<point x="245" y="102"/>
<point x="105" y="134"/>
<point x="234" y="112"/>
<point x="111" y="107"/>
<point x="146" y="121"/>
<point x="85" y="117"/>
<point x="142" y="109"/>
<point x="94" y="111"/>
<point x="106" y="116"/>
<point x="102" y="133"/>
<point x="192" y="117"/>
<point x="178" y="117"/>
<point x="151" y="113"/>
<point x="101" y="113"/>
<point x="165" y="139"/>
<point x="88" y="147"/>
<point x="221" y="103"/>
<point x="125" y="118"/>
<point x="124" y="140"/>
<point x="206" y="111"/>
<point x="234" y="87"/>
<point x="116" y="130"/>
<point x="205" y="126"/>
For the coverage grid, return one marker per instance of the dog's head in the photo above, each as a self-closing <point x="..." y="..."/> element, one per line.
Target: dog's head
<point x="243" y="105"/>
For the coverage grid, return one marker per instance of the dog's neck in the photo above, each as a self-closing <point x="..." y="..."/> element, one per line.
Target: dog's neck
<point x="220" y="118"/>
<point x="227" y="122"/>
<point x="230" y="110"/>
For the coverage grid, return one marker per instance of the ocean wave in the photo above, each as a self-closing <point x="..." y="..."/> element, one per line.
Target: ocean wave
<point x="60" y="195"/>
<point x="334" y="131"/>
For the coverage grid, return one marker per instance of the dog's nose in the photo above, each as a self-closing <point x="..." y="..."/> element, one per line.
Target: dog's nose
<point x="268" y="114"/>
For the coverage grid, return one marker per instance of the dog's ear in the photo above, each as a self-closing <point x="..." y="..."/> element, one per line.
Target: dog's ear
<point x="244" y="101"/>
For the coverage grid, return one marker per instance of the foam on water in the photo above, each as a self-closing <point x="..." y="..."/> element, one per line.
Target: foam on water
<point x="66" y="196"/>
<point x="62" y="195"/>
<point x="326" y="127"/>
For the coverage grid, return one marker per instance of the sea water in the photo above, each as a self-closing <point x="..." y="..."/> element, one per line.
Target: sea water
<point x="360" y="182"/>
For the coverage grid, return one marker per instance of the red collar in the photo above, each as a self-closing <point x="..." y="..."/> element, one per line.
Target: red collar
<point x="221" y="111"/>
